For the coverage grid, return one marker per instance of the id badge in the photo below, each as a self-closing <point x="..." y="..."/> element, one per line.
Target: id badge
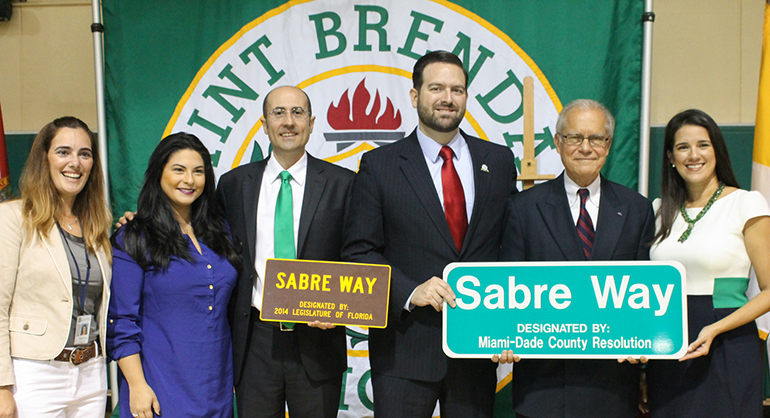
<point x="83" y="329"/>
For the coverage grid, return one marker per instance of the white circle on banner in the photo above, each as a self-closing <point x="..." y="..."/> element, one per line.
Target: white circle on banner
<point x="354" y="62"/>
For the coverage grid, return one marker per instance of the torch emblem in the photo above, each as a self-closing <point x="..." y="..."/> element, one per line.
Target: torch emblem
<point x="353" y="123"/>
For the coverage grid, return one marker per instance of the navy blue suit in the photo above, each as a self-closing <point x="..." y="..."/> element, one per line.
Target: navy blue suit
<point x="396" y="218"/>
<point x="540" y="227"/>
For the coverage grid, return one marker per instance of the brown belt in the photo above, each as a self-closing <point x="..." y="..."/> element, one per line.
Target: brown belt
<point x="78" y="355"/>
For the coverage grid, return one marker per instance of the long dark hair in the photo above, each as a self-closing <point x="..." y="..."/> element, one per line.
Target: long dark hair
<point x="673" y="191"/>
<point x="154" y="236"/>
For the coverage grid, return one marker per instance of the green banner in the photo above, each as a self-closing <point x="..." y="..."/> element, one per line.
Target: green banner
<point x="204" y="67"/>
<point x="158" y="53"/>
<point x="567" y="310"/>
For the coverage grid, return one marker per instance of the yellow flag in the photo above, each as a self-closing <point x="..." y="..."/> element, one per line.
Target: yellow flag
<point x="760" y="172"/>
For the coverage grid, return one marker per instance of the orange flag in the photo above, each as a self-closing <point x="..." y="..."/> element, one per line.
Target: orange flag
<point x="5" y="175"/>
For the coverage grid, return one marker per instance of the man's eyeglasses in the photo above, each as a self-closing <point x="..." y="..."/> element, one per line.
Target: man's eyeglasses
<point x="596" y="141"/>
<point x="280" y="113"/>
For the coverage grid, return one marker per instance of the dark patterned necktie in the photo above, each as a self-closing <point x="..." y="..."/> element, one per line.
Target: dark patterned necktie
<point x="585" y="227"/>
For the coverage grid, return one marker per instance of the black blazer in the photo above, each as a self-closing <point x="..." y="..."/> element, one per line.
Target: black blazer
<point x="396" y="218"/>
<point x="539" y="227"/>
<point x="323" y="352"/>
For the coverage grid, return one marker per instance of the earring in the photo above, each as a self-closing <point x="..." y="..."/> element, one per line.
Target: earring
<point x="673" y="165"/>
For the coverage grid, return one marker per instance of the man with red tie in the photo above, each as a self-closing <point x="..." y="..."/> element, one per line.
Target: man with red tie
<point x="578" y="216"/>
<point x="432" y="198"/>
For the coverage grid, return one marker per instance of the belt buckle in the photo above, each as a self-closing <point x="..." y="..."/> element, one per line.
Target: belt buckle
<point x="73" y="352"/>
<point x="79" y="350"/>
<point x="283" y="328"/>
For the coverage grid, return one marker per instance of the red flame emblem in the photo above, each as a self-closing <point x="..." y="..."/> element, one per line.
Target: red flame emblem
<point x="339" y="117"/>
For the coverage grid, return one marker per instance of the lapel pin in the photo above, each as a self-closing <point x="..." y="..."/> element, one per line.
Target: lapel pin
<point x="484" y="168"/>
<point x="620" y="214"/>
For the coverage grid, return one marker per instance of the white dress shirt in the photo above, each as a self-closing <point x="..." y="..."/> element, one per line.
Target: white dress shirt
<point x="462" y="162"/>
<point x="592" y="203"/>
<point x="268" y="194"/>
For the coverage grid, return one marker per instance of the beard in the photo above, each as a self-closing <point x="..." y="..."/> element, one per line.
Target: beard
<point x="429" y="118"/>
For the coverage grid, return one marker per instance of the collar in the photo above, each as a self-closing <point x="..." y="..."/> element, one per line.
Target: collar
<point x="431" y="148"/>
<point x="298" y="171"/>
<point x="572" y="190"/>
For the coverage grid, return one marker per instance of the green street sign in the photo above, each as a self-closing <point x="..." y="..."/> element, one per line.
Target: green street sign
<point x="567" y="310"/>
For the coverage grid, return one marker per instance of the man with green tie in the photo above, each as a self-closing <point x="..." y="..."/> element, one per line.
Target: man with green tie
<point x="290" y="205"/>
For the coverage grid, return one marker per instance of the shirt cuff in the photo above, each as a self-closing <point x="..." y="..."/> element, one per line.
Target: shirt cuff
<point x="125" y="350"/>
<point x="408" y="306"/>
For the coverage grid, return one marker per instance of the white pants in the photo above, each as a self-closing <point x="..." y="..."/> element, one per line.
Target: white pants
<point x="57" y="389"/>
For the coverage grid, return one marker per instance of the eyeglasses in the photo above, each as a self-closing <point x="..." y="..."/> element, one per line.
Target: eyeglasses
<point x="280" y="113"/>
<point x="596" y="141"/>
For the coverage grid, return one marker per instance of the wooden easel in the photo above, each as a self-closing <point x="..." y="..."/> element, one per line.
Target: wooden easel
<point x="529" y="174"/>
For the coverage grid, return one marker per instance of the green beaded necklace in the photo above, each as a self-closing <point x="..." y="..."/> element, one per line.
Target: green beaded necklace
<point x="691" y="222"/>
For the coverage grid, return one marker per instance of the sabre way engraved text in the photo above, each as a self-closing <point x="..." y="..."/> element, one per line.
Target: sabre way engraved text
<point x="559" y="296"/>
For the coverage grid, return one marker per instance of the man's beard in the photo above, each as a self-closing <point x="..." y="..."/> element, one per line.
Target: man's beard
<point x="438" y="124"/>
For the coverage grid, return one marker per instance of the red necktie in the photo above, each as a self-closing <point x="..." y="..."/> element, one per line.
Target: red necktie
<point x="585" y="227"/>
<point x="454" y="198"/>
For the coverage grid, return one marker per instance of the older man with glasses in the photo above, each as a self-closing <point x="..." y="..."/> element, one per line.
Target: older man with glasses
<point x="579" y="216"/>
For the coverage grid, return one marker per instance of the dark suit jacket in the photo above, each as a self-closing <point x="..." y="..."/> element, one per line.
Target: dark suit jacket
<point x="396" y="218"/>
<point x="539" y="227"/>
<point x="323" y="352"/>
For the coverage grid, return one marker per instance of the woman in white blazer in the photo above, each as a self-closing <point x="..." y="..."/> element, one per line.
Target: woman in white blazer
<point x="54" y="279"/>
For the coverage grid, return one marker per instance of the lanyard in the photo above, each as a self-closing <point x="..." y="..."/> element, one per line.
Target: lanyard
<point x="82" y="286"/>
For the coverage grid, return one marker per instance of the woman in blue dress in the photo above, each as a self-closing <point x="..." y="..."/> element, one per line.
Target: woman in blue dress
<point x="174" y="269"/>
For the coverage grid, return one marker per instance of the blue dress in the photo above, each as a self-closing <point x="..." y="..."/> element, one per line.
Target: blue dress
<point x="177" y="321"/>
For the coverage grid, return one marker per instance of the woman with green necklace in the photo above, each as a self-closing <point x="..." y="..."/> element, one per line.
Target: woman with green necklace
<point x="717" y="231"/>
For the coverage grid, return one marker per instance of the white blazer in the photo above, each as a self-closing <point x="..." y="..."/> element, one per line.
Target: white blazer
<point x="36" y="293"/>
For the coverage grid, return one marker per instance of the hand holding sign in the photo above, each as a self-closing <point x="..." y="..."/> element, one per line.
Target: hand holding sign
<point x="702" y="345"/>
<point x="434" y="292"/>
<point x="633" y="360"/>
<point x="321" y="325"/>
<point x="506" y="357"/>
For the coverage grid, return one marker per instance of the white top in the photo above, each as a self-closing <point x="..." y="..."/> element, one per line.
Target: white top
<point x="268" y="194"/>
<point x="715" y="247"/>
<point x="592" y="203"/>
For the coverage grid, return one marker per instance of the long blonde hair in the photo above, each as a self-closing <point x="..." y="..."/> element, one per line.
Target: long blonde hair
<point x="41" y="203"/>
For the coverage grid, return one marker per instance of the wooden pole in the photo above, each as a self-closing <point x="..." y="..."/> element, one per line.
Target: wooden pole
<point x="528" y="161"/>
